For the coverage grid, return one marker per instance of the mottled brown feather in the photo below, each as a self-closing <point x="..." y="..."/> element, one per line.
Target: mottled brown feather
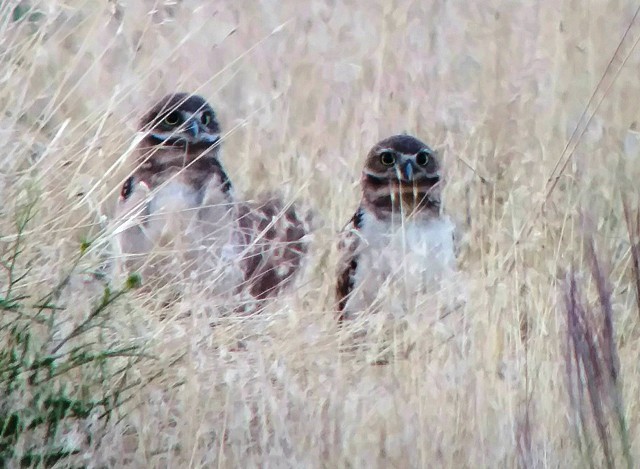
<point x="272" y="239"/>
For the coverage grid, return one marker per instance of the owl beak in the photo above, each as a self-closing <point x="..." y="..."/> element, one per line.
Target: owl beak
<point x="407" y="171"/>
<point x="193" y="128"/>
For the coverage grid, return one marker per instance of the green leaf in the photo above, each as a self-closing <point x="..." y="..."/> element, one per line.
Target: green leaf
<point x="25" y="11"/>
<point x="84" y="245"/>
<point x="133" y="281"/>
<point x="20" y="12"/>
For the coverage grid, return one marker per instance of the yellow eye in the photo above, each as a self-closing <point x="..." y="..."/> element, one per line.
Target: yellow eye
<point x="172" y="119"/>
<point x="387" y="158"/>
<point x="422" y="158"/>
<point x="205" y="118"/>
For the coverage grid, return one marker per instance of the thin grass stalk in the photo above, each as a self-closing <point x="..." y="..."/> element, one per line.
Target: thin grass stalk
<point x="633" y="231"/>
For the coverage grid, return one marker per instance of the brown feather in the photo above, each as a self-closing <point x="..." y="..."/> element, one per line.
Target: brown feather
<point x="272" y="239"/>
<point x="386" y="191"/>
<point x="182" y="169"/>
<point x="348" y="263"/>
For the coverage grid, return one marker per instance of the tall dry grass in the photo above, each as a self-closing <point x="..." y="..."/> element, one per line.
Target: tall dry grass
<point x="303" y="90"/>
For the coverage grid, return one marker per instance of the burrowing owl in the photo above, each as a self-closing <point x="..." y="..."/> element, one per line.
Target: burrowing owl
<point x="177" y="173"/>
<point x="179" y="201"/>
<point x="399" y="230"/>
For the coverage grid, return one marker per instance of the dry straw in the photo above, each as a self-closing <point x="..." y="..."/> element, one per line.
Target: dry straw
<point x="534" y="106"/>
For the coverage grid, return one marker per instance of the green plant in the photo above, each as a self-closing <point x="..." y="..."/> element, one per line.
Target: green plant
<point x="52" y="386"/>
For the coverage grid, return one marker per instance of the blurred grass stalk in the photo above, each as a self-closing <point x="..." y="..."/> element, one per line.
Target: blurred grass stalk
<point x="593" y="365"/>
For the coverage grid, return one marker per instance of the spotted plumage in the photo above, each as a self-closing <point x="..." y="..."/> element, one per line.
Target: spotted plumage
<point x="398" y="234"/>
<point x="179" y="202"/>
<point x="271" y="240"/>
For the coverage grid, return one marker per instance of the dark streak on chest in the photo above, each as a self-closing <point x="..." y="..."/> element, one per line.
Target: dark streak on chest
<point x="407" y="203"/>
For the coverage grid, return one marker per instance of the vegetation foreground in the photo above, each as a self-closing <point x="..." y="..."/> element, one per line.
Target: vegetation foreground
<point x="533" y="107"/>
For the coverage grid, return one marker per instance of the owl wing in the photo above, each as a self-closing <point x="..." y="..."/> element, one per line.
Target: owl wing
<point x="348" y="262"/>
<point x="216" y="207"/>
<point x="273" y="242"/>
<point x="217" y="191"/>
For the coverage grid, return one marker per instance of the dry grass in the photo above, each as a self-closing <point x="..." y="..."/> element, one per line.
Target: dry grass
<point x="303" y="91"/>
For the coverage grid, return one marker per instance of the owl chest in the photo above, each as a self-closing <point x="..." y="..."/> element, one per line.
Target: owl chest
<point x="417" y="253"/>
<point x="174" y="196"/>
<point x="172" y="209"/>
<point x="186" y="202"/>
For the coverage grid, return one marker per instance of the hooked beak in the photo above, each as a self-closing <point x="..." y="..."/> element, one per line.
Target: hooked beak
<point x="407" y="171"/>
<point x="192" y="128"/>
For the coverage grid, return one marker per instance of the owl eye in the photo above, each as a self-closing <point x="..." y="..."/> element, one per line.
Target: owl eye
<point x="206" y="118"/>
<point x="422" y="158"/>
<point x="172" y="119"/>
<point x="387" y="158"/>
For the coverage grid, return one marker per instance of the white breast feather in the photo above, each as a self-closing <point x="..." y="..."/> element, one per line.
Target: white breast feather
<point x="173" y="197"/>
<point x="415" y="255"/>
<point x="171" y="210"/>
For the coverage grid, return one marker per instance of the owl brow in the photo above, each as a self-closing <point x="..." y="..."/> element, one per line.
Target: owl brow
<point x="429" y="150"/>
<point x="168" y="109"/>
<point x="383" y="150"/>
<point x="203" y="107"/>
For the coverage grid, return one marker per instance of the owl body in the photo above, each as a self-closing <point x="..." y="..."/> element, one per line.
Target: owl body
<point x="176" y="172"/>
<point x="177" y="212"/>
<point x="168" y="204"/>
<point x="166" y="228"/>
<point x="399" y="244"/>
<point x="397" y="260"/>
<point x="422" y="248"/>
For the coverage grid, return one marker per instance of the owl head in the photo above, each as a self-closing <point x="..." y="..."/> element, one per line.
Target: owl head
<point x="402" y="174"/>
<point x="183" y="121"/>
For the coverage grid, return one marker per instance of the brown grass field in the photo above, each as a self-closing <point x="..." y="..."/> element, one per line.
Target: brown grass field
<point x="535" y="107"/>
